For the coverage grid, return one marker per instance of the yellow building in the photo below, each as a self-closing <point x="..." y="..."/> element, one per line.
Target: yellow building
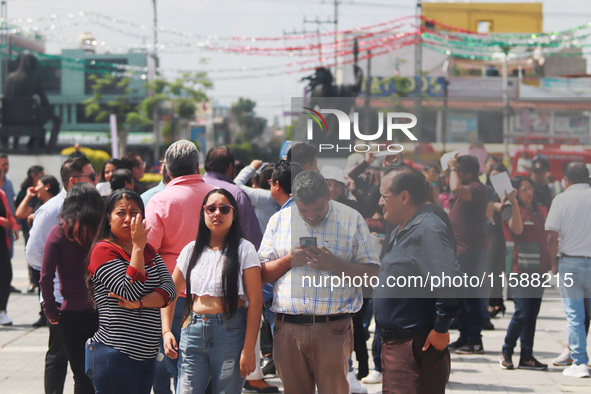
<point x="488" y="17"/>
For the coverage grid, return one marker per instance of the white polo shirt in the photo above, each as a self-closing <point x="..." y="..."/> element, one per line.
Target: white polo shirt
<point x="570" y="216"/>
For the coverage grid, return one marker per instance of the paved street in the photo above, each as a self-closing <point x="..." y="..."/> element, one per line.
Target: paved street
<point x="22" y="351"/>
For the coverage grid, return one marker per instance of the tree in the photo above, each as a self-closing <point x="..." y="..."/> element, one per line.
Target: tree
<point x="100" y="107"/>
<point x="175" y="99"/>
<point x="251" y="126"/>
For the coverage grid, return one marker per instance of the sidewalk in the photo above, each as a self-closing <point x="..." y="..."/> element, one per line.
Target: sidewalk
<point x="22" y="351"/>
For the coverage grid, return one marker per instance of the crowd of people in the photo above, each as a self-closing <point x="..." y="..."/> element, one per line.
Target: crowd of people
<point x="208" y="283"/>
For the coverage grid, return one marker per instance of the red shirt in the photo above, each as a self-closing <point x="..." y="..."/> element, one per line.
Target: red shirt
<point x="69" y="258"/>
<point x="468" y="218"/>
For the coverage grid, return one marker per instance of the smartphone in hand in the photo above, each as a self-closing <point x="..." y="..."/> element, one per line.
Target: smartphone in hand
<point x="306" y="242"/>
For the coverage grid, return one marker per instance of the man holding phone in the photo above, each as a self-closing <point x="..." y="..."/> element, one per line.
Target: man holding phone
<point x="307" y="250"/>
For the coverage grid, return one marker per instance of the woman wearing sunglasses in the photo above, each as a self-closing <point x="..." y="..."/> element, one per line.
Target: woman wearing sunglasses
<point x="130" y="284"/>
<point x="222" y="272"/>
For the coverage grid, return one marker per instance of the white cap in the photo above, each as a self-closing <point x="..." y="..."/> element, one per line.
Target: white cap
<point x="353" y="160"/>
<point x="330" y="172"/>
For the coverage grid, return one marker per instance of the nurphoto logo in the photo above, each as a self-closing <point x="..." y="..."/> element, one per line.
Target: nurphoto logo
<point x="344" y="129"/>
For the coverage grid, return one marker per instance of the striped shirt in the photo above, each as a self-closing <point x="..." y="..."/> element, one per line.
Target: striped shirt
<point x="304" y="290"/>
<point x="134" y="334"/>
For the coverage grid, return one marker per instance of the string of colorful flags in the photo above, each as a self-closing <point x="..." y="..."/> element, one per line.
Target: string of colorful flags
<point x="316" y="49"/>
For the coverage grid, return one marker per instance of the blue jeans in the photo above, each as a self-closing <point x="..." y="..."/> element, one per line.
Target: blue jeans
<point x="270" y="317"/>
<point x="171" y="365"/>
<point x="573" y="302"/>
<point x="471" y="315"/>
<point x="113" y="372"/>
<point x="161" y="375"/>
<point x="523" y="322"/>
<point x="210" y="349"/>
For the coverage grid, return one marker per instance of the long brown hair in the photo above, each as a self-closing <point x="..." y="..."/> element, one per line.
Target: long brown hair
<point x="81" y="213"/>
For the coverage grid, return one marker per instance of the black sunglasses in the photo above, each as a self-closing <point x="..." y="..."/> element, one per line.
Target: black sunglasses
<point x="224" y="209"/>
<point x="92" y="176"/>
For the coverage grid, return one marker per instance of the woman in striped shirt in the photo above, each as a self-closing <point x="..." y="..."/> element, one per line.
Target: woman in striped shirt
<point x="130" y="284"/>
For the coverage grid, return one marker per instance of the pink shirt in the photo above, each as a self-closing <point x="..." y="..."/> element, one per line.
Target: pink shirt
<point x="174" y="216"/>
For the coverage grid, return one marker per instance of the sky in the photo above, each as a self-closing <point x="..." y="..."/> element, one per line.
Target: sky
<point x="228" y="18"/>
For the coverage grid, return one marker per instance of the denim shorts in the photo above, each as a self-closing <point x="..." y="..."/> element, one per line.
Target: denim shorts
<point x="210" y="350"/>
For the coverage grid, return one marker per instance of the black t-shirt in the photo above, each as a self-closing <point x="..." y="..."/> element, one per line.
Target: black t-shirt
<point x="542" y="194"/>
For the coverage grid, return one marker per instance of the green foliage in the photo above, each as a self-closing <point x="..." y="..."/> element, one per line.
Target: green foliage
<point x="251" y="126"/>
<point x="100" y="108"/>
<point x="176" y="99"/>
<point x="247" y="152"/>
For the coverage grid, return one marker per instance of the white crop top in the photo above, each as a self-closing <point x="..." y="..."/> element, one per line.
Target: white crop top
<point x="206" y="276"/>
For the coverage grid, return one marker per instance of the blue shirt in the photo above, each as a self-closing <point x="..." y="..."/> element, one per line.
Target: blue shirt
<point x="46" y="217"/>
<point x="147" y="195"/>
<point x="287" y="203"/>
<point x="9" y="190"/>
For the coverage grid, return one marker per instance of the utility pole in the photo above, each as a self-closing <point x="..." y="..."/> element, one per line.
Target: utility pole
<point x="155" y="117"/>
<point x="367" y="91"/>
<point x="445" y="105"/>
<point x="317" y="32"/>
<point x="336" y="37"/>
<point x="506" y="100"/>
<point x="418" y="75"/>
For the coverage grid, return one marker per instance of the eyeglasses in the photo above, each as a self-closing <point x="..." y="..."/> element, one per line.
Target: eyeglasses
<point x="224" y="209"/>
<point x="270" y="182"/>
<point x="93" y="177"/>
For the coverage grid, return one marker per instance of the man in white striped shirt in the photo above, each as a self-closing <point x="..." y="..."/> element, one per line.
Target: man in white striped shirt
<point x="313" y="329"/>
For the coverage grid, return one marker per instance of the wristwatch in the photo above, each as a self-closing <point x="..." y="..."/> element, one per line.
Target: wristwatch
<point x="453" y="169"/>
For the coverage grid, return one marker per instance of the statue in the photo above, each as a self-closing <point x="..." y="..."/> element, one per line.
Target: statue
<point x="325" y="94"/>
<point x="21" y="109"/>
<point x="321" y="85"/>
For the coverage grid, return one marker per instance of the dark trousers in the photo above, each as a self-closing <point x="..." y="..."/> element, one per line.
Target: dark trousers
<point x="172" y="365"/>
<point x="266" y="337"/>
<point x="34" y="276"/>
<point x="376" y="350"/>
<point x="5" y="278"/>
<point x="161" y="375"/>
<point x="360" y="341"/>
<point x="56" y="363"/>
<point x="75" y="327"/>
<point x="407" y="369"/>
<point x="471" y="316"/>
<point x="523" y="324"/>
